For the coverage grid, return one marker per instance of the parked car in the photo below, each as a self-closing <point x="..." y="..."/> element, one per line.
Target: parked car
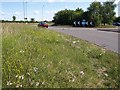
<point x="116" y="23"/>
<point x="43" y="24"/>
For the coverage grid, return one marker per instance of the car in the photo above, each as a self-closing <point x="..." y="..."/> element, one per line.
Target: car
<point x="43" y="24"/>
<point x="116" y="23"/>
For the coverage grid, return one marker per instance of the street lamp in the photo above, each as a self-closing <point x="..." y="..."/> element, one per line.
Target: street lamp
<point x="25" y="10"/>
<point x="42" y="12"/>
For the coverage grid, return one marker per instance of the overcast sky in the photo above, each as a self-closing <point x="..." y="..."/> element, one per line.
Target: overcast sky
<point x="8" y="8"/>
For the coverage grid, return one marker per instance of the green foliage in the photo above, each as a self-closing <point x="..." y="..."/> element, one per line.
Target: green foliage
<point x="117" y="19"/>
<point x="97" y="12"/>
<point x="32" y="19"/>
<point x="66" y="17"/>
<point x="14" y="18"/>
<point x="108" y="12"/>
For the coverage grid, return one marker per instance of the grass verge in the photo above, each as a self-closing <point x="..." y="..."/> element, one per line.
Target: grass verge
<point x="39" y="58"/>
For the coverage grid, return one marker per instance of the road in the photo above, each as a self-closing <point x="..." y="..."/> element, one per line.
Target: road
<point x="105" y="39"/>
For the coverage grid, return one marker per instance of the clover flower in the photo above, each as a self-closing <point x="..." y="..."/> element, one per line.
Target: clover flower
<point x="21" y="77"/>
<point x="81" y="73"/>
<point x="35" y="69"/>
<point x="9" y="83"/>
<point x="21" y="51"/>
<point x="37" y="83"/>
<point x="18" y="85"/>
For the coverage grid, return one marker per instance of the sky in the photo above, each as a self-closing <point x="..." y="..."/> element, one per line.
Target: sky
<point x="41" y="9"/>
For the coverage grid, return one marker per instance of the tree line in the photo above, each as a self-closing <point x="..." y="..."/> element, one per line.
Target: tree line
<point x="97" y="12"/>
<point x="32" y="20"/>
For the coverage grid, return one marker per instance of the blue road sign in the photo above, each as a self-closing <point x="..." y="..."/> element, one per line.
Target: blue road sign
<point x="83" y="22"/>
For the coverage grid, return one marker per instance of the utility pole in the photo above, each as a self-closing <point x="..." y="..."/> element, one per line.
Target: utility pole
<point x="42" y="12"/>
<point x="24" y="10"/>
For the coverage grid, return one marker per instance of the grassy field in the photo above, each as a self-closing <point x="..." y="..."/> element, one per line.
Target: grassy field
<point x="40" y="58"/>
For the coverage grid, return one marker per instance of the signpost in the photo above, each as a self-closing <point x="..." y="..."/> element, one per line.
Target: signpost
<point x="83" y="23"/>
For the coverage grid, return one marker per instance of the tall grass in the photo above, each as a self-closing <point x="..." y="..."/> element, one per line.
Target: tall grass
<point x="0" y="56"/>
<point x="39" y="58"/>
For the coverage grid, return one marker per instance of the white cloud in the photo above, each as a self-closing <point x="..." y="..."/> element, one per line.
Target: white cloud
<point x="51" y="0"/>
<point x="17" y="13"/>
<point x="116" y="1"/>
<point x="2" y="13"/>
<point x="36" y="12"/>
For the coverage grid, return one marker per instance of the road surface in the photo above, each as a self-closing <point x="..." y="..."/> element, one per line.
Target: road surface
<point x="105" y="39"/>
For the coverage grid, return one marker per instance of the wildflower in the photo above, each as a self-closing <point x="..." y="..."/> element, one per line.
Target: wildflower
<point x="74" y="42"/>
<point x="37" y="83"/>
<point x="9" y="83"/>
<point x="21" y="51"/>
<point x="21" y="77"/>
<point x="81" y="72"/>
<point x="43" y="83"/>
<point x="100" y="54"/>
<point x="72" y="80"/>
<point x="18" y="85"/>
<point x="35" y="69"/>
<point x="106" y="74"/>
<point x="16" y="76"/>
<point x="28" y="74"/>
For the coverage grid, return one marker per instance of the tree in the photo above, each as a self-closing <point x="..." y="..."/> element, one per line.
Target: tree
<point x="86" y="16"/>
<point x="108" y="13"/>
<point x="117" y="19"/>
<point x="78" y="14"/>
<point x="79" y="10"/>
<point x="32" y="19"/>
<point x="63" y="17"/>
<point x="95" y="12"/>
<point x="67" y="17"/>
<point x="14" y="18"/>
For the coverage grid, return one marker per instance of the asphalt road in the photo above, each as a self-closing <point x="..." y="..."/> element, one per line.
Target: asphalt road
<point x="105" y="39"/>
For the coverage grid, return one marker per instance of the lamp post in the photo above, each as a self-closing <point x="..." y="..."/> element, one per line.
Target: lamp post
<point x="42" y="12"/>
<point x="25" y="10"/>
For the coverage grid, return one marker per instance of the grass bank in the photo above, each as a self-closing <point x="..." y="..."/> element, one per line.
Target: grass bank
<point x="39" y="58"/>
